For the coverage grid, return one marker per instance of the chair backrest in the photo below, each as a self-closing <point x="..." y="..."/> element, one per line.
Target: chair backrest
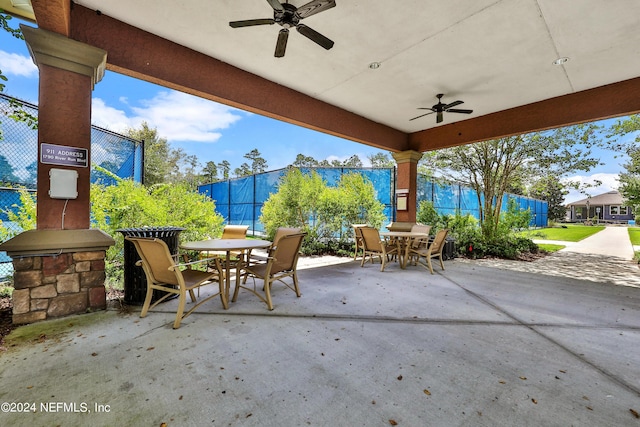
<point x="420" y="228"/>
<point x="438" y="242"/>
<point x="286" y="252"/>
<point x="284" y="231"/>
<point x="357" y="232"/>
<point x="156" y="259"/>
<point x="371" y="238"/>
<point x="235" y="232"/>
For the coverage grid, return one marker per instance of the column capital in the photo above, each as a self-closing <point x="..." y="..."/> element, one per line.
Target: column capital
<point x="55" y="50"/>
<point x="409" y="156"/>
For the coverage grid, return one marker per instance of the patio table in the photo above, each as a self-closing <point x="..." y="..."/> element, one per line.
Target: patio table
<point x="227" y="246"/>
<point x="403" y="238"/>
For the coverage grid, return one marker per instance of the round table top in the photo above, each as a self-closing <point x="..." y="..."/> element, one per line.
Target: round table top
<point x="225" y="244"/>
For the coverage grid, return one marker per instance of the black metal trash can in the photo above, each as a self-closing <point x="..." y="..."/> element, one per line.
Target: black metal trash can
<point x="135" y="281"/>
<point x="449" y="251"/>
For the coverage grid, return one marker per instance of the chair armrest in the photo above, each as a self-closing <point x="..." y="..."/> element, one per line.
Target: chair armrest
<point x="189" y="264"/>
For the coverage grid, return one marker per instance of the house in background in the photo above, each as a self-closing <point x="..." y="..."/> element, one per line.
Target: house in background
<point x="608" y="208"/>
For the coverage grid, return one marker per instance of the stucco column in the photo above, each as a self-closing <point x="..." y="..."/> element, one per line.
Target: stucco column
<point x="407" y="179"/>
<point x="68" y="72"/>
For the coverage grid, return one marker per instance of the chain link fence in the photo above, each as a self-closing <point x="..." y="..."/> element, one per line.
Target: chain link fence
<point x="240" y="200"/>
<point x="113" y="156"/>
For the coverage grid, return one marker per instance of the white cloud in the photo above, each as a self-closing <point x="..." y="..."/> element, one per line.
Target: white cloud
<point x="177" y="116"/>
<point x="110" y="118"/>
<point x="17" y="65"/>
<point x="609" y="182"/>
<point x="182" y="117"/>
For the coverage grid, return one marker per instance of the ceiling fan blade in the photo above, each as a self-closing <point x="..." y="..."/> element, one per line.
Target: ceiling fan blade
<point x="439" y="117"/>
<point x="422" y="115"/>
<point x="315" y="36"/>
<point x="313" y="7"/>
<point x="251" y="22"/>
<point x="281" y="45"/>
<point x="275" y="4"/>
<point x="453" y="104"/>
<point x="456" y="110"/>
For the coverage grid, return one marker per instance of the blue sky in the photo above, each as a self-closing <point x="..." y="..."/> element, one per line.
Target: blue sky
<point x="212" y="131"/>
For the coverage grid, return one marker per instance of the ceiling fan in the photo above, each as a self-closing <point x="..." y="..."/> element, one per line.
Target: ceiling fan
<point x="440" y="108"/>
<point x="289" y="16"/>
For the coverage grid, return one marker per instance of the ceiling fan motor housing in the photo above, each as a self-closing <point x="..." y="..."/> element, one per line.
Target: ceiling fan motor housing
<point x="287" y="17"/>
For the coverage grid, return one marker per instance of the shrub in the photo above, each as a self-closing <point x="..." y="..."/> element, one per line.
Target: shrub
<point x="131" y="205"/>
<point x="324" y="213"/>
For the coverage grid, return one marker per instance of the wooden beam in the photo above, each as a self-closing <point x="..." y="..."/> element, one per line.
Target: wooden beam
<point x="53" y="15"/>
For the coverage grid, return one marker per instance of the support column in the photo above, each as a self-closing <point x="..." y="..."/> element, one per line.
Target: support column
<point x="59" y="268"/>
<point x="68" y="72"/>
<point x="407" y="180"/>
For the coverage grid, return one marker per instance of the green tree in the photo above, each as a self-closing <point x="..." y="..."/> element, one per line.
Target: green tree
<point x="157" y="167"/>
<point x="353" y="162"/>
<point x="381" y="160"/>
<point x="303" y="161"/>
<point x="162" y="164"/>
<point x="22" y="215"/>
<point x="258" y="164"/>
<point x="210" y="172"/>
<point x="225" y="167"/>
<point x="551" y="190"/>
<point x="131" y="205"/>
<point x="630" y="181"/>
<point x="630" y="178"/>
<point x="324" y="213"/>
<point x="243" y="170"/>
<point x="490" y="167"/>
<point x="15" y="32"/>
<point x="7" y="176"/>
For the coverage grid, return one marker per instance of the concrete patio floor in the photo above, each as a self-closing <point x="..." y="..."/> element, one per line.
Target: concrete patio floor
<point x="474" y="345"/>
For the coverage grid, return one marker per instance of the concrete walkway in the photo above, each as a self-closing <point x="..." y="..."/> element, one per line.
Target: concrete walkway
<point x="474" y="345"/>
<point x="613" y="241"/>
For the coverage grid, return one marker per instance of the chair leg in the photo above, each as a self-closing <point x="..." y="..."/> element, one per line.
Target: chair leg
<point x="428" y="257"/>
<point x="193" y="295"/>
<point x="181" y="302"/>
<point x="441" y="263"/>
<point x="295" y="284"/>
<point x="267" y="293"/>
<point x="147" y="301"/>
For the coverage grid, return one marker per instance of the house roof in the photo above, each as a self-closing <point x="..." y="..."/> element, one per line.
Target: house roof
<point x="608" y="198"/>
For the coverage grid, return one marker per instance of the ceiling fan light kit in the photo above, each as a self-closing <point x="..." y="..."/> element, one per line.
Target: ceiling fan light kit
<point x="288" y="16"/>
<point x="441" y="108"/>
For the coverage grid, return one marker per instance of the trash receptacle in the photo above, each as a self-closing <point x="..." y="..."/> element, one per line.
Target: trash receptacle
<point x="135" y="281"/>
<point x="449" y="251"/>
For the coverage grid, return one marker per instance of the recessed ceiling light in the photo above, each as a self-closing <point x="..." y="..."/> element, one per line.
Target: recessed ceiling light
<point x="374" y="65"/>
<point x="560" y="61"/>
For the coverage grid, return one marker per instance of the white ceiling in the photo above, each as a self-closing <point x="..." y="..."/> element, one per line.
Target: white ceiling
<point x="492" y="54"/>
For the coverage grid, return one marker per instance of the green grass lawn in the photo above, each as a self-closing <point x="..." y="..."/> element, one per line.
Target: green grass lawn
<point x="567" y="232"/>
<point x="548" y="247"/>
<point x="634" y="235"/>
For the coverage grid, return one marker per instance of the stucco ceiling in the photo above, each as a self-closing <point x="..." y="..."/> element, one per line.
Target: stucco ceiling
<point x="494" y="55"/>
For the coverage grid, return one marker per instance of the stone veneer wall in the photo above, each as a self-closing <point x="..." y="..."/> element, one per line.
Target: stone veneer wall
<point x="56" y="286"/>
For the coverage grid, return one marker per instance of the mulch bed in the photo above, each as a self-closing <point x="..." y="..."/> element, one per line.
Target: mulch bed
<point x="6" y="325"/>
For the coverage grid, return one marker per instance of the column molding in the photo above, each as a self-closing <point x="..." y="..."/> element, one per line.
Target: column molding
<point x="55" y="50"/>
